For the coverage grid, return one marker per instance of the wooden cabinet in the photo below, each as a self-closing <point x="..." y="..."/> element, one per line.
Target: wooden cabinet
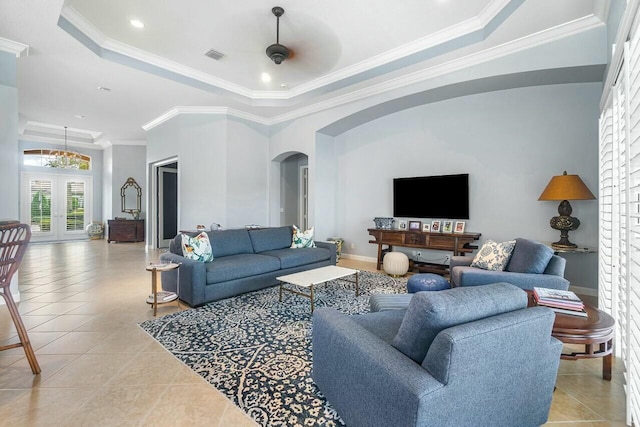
<point x="452" y="242"/>
<point x="126" y="230"/>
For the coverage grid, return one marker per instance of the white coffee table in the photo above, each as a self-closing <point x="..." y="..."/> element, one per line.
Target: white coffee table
<point x="317" y="276"/>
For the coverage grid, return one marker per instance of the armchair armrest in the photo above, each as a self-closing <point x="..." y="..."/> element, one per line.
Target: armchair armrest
<point x="332" y="248"/>
<point x="460" y="261"/>
<point x="471" y="276"/>
<point x="360" y="373"/>
<point x="191" y="278"/>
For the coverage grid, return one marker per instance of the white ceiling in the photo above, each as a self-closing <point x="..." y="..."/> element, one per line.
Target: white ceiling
<point x="75" y="46"/>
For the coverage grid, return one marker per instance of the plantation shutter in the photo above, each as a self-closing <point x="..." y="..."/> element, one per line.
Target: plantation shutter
<point x="40" y="207"/>
<point x="632" y="291"/>
<point x="75" y="206"/>
<point x="619" y="208"/>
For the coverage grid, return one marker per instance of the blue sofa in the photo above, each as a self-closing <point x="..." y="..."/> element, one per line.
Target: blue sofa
<point x="243" y="261"/>
<point x="531" y="264"/>
<point x="459" y="357"/>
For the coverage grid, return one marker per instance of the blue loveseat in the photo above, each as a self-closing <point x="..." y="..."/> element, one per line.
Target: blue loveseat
<point x="243" y="261"/>
<point x="473" y="356"/>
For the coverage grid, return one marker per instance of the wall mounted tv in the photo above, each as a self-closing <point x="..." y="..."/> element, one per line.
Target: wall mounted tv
<point x="443" y="196"/>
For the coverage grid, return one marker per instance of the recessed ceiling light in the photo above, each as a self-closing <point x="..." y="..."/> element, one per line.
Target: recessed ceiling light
<point x="283" y="85"/>
<point x="78" y="116"/>
<point x="136" y="23"/>
<point x="265" y="77"/>
<point x="105" y="89"/>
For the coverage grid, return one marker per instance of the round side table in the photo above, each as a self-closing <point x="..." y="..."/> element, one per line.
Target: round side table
<point x="158" y="296"/>
<point x="595" y="332"/>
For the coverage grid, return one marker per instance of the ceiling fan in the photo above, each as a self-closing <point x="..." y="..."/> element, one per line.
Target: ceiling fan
<point x="277" y="52"/>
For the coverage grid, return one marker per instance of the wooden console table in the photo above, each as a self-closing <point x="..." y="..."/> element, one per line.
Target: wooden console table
<point x="458" y="243"/>
<point x="125" y="230"/>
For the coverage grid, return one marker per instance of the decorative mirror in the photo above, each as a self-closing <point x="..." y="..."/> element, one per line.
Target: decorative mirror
<point x="131" y="194"/>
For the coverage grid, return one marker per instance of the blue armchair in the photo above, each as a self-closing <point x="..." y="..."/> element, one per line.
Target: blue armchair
<point x="450" y="358"/>
<point x="532" y="264"/>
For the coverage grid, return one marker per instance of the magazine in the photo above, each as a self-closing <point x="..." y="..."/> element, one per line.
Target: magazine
<point x="163" y="296"/>
<point x="556" y="295"/>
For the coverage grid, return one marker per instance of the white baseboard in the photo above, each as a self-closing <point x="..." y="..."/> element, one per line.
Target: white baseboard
<point x="359" y="258"/>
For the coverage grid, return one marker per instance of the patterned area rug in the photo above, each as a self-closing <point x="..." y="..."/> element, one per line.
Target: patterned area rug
<point x="257" y="351"/>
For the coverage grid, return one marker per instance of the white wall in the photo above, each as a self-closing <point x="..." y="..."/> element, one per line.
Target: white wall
<point x="510" y="142"/>
<point x="247" y="172"/>
<point x="9" y="176"/>
<point x="127" y="161"/>
<point x="221" y="179"/>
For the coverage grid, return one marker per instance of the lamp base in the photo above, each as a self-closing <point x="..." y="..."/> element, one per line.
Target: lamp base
<point x="563" y="244"/>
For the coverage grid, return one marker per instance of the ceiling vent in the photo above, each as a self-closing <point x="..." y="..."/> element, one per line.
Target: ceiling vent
<point x="214" y="54"/>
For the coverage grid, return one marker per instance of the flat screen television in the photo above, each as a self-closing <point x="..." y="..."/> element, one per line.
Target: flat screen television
<point x="442" y="196"/>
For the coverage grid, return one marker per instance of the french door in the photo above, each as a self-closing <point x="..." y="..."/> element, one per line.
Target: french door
<point x="57" y="207"/>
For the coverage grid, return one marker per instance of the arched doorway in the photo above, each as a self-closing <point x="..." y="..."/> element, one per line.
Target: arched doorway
<point x="294" y="190"/>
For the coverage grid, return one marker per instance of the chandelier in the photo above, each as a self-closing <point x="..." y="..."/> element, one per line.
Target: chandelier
<point x="65" y="159"/>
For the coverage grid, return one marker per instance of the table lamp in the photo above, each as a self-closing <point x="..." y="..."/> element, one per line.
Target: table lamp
<point x="564" y="188"/>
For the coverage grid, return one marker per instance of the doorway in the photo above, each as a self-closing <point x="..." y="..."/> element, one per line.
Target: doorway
<point x="166" y="205"/>
<point x="57" y="207"/>
<point x="294" y="189"/>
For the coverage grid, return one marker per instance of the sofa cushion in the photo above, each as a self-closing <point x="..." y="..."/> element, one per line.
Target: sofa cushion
<point x="197" y="247"/>
<point x="239" y="266"/>
<point x="230" y="242"/>
<point x="297" y="257"/>
<point x="494" y="256"/>
<point x="529" y="257"/>
<point x="268" y="239"/>
<point x="384" y="324"/>
<point x="302" y="239"/>
<point x="431" y="312"/>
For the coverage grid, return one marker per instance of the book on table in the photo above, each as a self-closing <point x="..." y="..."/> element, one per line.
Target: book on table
<point x="162" y="296"/>
<point x="580" y="313"/>
<point x="546" y="294"/>
<point x="565" y="302"/>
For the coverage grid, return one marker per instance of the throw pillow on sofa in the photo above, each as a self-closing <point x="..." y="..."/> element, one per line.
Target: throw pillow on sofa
<point x="494" y="256"/>
<point x="302" y="239"/>
<point x="529" y="257"/>
<point x="197" y="248"/>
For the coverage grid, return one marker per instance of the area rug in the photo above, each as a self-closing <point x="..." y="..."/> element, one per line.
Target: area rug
<point x="257" y="350"/>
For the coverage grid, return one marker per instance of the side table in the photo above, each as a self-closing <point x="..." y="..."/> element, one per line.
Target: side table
<point x="168" y="297"/>
<point x="595" y="332"/>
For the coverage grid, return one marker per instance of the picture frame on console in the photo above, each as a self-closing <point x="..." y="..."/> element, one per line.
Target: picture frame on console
<point x="435" y="226"/>
<point x="402" y="224"/>
<point x="426" y="227"/>
<point x="415" y="225"/>
<point x="459" y="229"/>
<point x="447" y="227"/>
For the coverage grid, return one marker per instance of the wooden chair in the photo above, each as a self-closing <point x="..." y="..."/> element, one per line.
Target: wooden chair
<point x="14" y="238"/>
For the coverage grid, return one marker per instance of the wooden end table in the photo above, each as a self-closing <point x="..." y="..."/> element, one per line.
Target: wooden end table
<point x="595" y="332"/>
<point x="155" y="269"/>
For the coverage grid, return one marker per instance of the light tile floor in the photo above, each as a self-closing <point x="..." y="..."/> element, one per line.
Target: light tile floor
<point x="82" y="301"/>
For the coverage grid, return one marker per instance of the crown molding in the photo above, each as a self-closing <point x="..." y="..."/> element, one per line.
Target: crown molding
<point x="176" y="111"/>
<point x="457" y="31"/>
<point x="524" y="43"/>
<point x="448" y="34"/>
<point x="15" y="48"/>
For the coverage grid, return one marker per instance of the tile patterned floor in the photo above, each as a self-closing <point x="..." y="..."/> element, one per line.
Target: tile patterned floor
<point x="81" y="302"/>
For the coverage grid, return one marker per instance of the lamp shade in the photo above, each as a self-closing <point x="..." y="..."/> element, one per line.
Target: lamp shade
<point x="566" y="187"/>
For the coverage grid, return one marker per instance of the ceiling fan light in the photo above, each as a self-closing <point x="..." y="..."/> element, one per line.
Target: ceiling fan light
<point x="277" y="53"/>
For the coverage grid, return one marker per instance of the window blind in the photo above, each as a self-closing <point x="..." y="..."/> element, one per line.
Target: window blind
<point x="619" y="208"/>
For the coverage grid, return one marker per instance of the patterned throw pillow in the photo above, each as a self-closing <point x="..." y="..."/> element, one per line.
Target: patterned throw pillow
<point x="197" y="248"/>
<point x="302" y="239"/>
<point x="494" y="256"/>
